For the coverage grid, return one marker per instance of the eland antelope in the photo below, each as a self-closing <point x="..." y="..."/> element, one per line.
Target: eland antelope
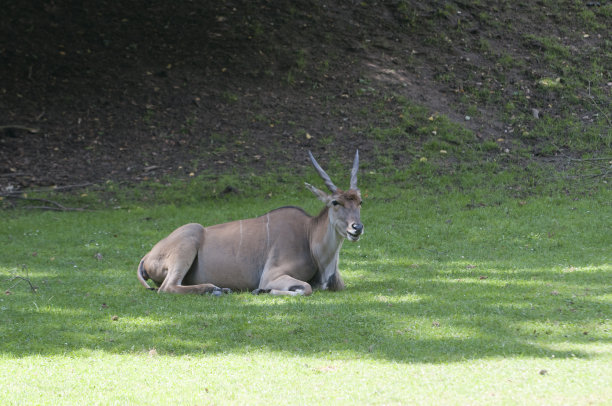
<point x="283" y="252"/>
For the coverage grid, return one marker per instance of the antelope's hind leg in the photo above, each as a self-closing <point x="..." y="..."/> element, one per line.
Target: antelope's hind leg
<point x="180" y="258"/>
<point x="177" y="271"/>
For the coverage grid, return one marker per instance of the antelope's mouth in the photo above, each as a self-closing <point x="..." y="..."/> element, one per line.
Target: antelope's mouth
<point x="353" y="236"/>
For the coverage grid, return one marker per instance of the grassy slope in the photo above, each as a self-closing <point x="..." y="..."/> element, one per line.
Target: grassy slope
<point x="271" y="81"/>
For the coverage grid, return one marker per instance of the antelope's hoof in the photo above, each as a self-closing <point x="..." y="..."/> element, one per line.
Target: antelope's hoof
<point x="220" y="291"/>
<point x="260" y="291"/>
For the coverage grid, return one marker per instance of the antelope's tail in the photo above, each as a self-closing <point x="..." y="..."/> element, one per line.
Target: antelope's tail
<point x="143" y="276"/>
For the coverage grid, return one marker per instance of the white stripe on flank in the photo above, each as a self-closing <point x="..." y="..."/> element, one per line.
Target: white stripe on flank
<point x="240" y="243"/>
<point x="268" y="230"/>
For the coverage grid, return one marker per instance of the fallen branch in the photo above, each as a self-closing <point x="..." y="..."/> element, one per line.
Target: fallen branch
<point x="31" y="130"/>
<point x="43" y="189"/>
<point x="590" y="159"/>
<point x="603" y="166"/>
<point x="8" y="175"/>
<point x="51" y="208"/>
<point x="60" y="188"/>
<point x="54" y="205"/>
<point x="602" y="175"/>
<point x="597" y="106"/>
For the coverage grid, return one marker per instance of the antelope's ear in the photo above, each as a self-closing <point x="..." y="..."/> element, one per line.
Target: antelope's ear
<point x="321" y="195"/>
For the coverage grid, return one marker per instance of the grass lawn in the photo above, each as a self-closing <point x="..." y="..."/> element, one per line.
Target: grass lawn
<point x="476" y="297"/>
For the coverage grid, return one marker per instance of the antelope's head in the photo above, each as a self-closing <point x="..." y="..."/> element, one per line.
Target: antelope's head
<point x="344" y="206"/>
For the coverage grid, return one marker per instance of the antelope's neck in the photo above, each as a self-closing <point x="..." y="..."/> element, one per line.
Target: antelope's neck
<point x="325" y="245"/>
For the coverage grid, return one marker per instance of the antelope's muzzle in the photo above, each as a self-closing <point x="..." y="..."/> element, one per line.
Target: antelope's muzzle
<point x="355" y="231"/>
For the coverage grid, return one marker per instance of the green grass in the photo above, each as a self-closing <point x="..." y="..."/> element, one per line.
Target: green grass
<point x="473" y="295"/>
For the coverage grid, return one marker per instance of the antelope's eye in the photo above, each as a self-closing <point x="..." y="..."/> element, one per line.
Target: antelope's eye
<point x="335" y="202"/>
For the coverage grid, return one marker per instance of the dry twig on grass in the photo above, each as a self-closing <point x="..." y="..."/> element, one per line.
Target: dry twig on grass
<point x="22" y="278"/>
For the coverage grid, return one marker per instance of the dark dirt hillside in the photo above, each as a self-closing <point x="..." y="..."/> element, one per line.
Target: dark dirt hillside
<point x="92" y="91"/>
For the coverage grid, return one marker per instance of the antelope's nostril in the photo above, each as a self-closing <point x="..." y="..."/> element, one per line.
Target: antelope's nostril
<point x="358" y="227"/>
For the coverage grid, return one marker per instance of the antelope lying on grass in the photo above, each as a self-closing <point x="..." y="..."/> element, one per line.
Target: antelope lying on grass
<point x="284" y="252"/>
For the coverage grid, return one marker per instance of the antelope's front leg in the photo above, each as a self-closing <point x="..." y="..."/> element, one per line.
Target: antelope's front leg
<point x="170" y="285"/>
<point x="285" y="285"/>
